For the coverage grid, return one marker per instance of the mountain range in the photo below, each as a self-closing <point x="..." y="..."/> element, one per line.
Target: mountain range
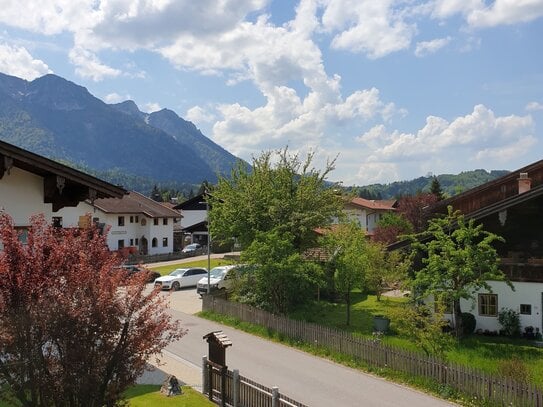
<point x="54" y="117"/>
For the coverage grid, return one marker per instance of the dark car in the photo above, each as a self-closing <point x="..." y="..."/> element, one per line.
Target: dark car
<point x="132" y="269"/>
<point x="192" y="248"/>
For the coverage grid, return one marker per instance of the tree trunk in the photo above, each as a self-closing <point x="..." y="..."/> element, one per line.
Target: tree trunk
<point x="458" y="326"/>
<point x="348" y="301"/>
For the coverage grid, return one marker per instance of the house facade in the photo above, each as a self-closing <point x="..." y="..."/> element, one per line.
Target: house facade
<point x="31" y="184"/>
<point x="511" y="207"/>
<point x="135" y="223"/>
<point x="194" y="220"/>
<point x="368" y="212"/>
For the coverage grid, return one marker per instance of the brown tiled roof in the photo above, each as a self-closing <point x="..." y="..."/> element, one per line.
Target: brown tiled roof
<point x="136" y="203"/>
<point x="374" y="204"/>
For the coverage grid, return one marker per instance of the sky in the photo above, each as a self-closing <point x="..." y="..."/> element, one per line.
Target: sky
<point x="389" y="89"/>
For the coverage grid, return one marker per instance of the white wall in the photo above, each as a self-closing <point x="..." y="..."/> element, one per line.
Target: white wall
<point x="192" y="217"/>
<point x="21" y="196"/>
<point x="358" y="215"/>
<point x="525" y="293"/>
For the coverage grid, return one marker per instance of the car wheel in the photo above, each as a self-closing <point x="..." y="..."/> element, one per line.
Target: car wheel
<point x="176" y="286"/>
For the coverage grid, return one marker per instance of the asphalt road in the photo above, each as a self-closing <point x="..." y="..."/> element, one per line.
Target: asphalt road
<point x="313" y="381"/>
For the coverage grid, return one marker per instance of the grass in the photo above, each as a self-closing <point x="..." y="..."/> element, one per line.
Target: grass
<point x="144" y="395"/>
<point x="163" y="270"/>
<point x="480" y="352"/>
<point x="149" y="395"/>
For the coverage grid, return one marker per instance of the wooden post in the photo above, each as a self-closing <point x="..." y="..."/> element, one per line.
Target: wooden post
<point x="210" y="380"/>
<point x="224" y="371"/>
<point x="205" y="384"/>
<point x="235" y="388"/>
<point x="275" y="396"/>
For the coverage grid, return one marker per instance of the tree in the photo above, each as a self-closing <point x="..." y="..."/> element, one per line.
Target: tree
<point x="390" y="227"/>
<point x="74" y="328"/>
<point x="412" y="209"/>
<point x="280" y="279"/>
<point x="385" y="269"/>
<point x="435" y="189"/>
<point x="349" y="261"/>
<point x="458" y="260"/>
<point x="156" y="195"/>
<point x="289" y="196"/>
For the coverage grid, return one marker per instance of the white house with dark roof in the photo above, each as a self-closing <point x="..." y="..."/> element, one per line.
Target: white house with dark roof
<point x="135" y="223"/>
<point x="368" y="212"/>
<point x="31" y="184"/>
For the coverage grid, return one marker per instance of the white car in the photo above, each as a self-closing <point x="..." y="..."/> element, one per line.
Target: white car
<point x="178" y="278"/>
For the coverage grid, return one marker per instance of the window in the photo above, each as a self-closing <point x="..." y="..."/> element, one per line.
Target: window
<point x="164" y="242"/>
<point x="137" y="219"/>
<point x="165" y="221"/>
<point x="488" y="305"/>
<point x="120" y="221"/>
<point x="120" y="243"/>
<point x="131" y="219"/>
<point x="154" y="242"/>
<point x="131" y="242"/>
<point x="526" y="309"/>
<point x="155" y="221"/>
<point x="137" y="241"/>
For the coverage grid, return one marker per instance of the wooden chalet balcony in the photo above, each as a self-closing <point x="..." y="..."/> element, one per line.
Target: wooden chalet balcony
<point x="525" y="270"/>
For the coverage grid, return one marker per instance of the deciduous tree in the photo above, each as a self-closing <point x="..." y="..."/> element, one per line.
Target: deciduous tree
<point x="75" y="330"/>
<point x="458" y="260"/>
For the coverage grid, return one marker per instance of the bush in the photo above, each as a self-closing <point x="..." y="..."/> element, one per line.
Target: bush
<point x="510" y="321"/>
<point x="468" y="323"/>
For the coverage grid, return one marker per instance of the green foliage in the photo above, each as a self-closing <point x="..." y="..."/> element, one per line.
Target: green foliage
<point x="459" y="258"/>
<point x="510" y="321"/>
<point x="435" y="189"/>
<point x="425" y="328"/>
<point x="391" y="227"/>
<point x="281" y="280"/>
<point x="289" y="196"/>
<point x="468" y="323"/>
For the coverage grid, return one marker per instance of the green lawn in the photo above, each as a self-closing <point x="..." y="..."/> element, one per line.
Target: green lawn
<point x="144" y="395"/>
<point x="163" y="270"/>
<point x="149" y="395"/>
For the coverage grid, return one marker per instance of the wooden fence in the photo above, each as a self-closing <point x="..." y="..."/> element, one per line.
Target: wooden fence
<point x="471" y="382"/>
<point x="229" y="388"/>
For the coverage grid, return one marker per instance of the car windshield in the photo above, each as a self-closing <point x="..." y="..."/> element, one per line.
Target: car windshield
<point x="178" y="272"/>
<point x="217" y="272"/>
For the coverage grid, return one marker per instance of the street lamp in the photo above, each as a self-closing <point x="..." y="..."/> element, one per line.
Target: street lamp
<point x="208" y="248"/>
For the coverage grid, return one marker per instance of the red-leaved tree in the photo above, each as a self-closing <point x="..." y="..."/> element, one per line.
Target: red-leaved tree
<point x="75" y="330"/>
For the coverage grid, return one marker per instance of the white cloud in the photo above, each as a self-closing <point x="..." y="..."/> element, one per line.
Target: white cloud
<point x="151" y="107"/>
<point x="197" y="114"/>
<point x="534" y="106"/>
<point x="116" y="98"/>
<point x="429" y="47"/>
<point x="17" y="61"/>
<point x="479" y="138"/>
<point x="89" y="66"/>
<point x="376" y="28"/>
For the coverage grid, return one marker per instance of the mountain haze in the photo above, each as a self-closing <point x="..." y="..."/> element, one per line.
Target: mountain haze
<point x="61" y="120"/>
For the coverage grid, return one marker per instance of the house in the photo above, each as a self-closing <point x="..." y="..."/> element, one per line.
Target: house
<point x="512" y="207"/>
<point x="194" y="220"/>
<point x="31" y="184"/>
<point x="136" y="223"/>
<point x="368" y="212"/>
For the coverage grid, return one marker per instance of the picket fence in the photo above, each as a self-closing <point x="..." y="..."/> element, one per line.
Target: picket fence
<point x="471" y="382"/>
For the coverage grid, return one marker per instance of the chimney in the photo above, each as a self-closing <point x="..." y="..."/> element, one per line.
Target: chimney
<point x="524" y="183"/>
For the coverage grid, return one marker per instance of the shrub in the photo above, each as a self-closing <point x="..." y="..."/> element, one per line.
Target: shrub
<point x="468" y="323"/>
<point x="510" y="321"/>
<point x="514" y="369"/>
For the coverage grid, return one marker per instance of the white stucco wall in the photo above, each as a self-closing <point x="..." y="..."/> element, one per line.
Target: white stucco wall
<point x="525" y="293"/>
<point x="21" y="196"/>
<point x="192" y="217"/>
<point x="358" y="215"/>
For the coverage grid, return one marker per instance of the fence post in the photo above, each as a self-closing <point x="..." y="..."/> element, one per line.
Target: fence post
<point x="205" y="384"/>
<point x="235" y="389"/>
<point x="224" y="371"/>
<point x="275" y="396"/>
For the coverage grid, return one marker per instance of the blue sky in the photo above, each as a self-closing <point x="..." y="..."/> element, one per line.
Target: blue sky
<point x="394" y="89"/>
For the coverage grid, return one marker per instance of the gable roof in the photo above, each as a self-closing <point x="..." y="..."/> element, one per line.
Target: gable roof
<point x="385" y="205"/>
<point x="136" y="203"/>
<point x="63" y="185"/>
<point x="196" y="203"/>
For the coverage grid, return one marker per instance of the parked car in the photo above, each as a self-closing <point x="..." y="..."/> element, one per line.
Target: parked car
<point x="132" y="269"/>
<point x="191" y="248"/>
<point x="178" y="278"/>
<point x="221" y="278"/>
